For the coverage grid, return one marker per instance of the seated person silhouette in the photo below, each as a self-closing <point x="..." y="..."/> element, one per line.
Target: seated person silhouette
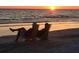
<point x="43" y="34"/>
<point x="27" y="34"/>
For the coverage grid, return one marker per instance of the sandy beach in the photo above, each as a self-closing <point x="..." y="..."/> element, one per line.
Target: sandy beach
<point x="4" y="28"/>
<point x="63" y="37"/>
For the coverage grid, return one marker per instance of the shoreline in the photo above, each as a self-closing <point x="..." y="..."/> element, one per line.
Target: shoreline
<point x="4" y="28"/>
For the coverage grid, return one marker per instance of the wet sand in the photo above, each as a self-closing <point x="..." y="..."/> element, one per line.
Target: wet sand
<point x="4" y="28"/>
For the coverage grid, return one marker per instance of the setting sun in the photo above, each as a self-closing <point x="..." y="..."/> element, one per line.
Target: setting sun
<point x="52" y="7"/>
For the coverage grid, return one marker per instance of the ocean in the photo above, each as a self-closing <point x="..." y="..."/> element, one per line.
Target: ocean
<point x="35" y="15"/>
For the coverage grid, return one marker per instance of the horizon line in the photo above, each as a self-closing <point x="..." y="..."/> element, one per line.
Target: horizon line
<point x="38" y="7"/>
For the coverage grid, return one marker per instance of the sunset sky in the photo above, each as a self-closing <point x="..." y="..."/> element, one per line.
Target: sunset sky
<point x="40" y="7"/>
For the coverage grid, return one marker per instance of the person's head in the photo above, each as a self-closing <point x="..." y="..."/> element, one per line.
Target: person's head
<point x="47" y="26"/>
<point x="35" y="26"/>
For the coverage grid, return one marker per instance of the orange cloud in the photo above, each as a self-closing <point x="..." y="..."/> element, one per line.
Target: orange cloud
<point x="39" y="7"/>
<point x="25" y="7"/>
<point x="67" y="7"/>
